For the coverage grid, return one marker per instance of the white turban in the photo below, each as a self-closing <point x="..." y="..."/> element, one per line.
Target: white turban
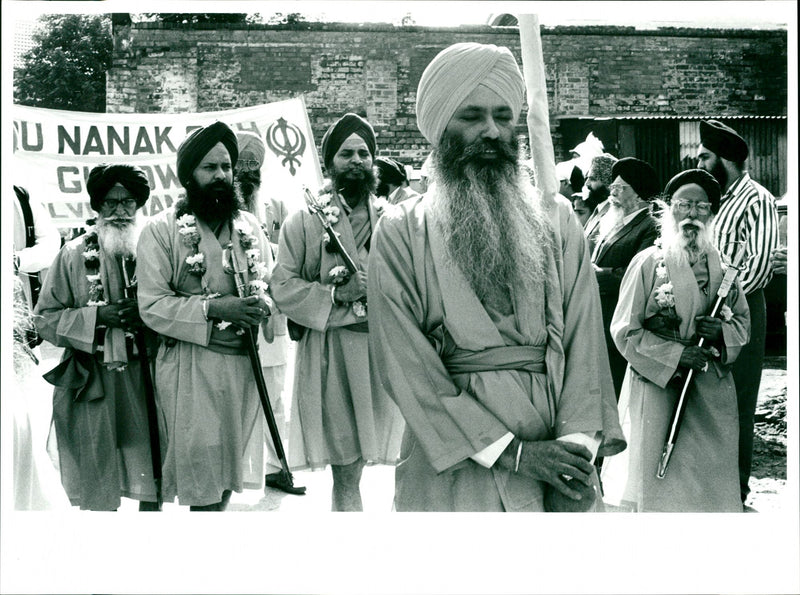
<point x="455" y="73"/>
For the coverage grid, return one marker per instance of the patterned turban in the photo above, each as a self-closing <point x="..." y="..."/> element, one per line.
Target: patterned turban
<point x="639" y="174"/>
<point x="723" y="141"/>
<point x="600" y="169"/>
<point x="700" y="177"/>
<point x="103" y="177"/>
<point x="251" y="148"/>
<point x="342" y="130"/>
<point x="391" y="171"/>
<point x="455" y="73"/>
<point x="199" y="143"/>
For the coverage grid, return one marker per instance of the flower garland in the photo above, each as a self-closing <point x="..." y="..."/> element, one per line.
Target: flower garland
<point x="91" y="260"/>
<point x="190" y="235"/>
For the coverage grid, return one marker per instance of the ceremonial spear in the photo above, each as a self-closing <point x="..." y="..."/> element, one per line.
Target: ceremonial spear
<point x="314" y="206"/>
<point x="129" y="290"/>
<point x="680" y="405"/>
<point x="231" y="266"/>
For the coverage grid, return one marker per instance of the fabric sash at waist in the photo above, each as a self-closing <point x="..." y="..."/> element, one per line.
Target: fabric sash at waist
<point x="526" y="358"/>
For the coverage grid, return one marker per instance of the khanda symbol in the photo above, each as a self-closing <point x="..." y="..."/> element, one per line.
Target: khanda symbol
<point x="287" y="141"/>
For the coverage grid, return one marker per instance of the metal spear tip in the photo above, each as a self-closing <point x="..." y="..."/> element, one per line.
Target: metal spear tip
<point x="665" y="456"/>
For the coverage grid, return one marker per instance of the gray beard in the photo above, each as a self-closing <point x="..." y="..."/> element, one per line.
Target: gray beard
<point x="493" y="227"/>
<point x="688" y="245"/>
<point x="117" y="241"/>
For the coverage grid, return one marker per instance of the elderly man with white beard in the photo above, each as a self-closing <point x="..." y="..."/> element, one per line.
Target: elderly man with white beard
<point x="626" y="229"/>
<point x="99" y="413"/>
<point x="485" y="319"/>
<point x="665" y="297"/>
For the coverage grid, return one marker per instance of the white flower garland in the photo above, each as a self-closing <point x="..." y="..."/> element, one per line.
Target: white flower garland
<point x="187" y="227"/>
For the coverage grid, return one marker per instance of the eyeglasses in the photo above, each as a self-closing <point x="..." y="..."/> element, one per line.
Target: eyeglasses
<point x="685" y="206"/>
<point x="618" y="187"/>
<point x="248" y="164"/>
<point x="111" y="204"/>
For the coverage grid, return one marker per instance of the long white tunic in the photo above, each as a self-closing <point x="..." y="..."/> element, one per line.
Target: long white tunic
<point x="702" y="475"/>
<point x="203" y="377"/>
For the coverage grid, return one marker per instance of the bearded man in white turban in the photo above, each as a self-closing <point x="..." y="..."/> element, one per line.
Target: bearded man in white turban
<point x="485" y="322"/>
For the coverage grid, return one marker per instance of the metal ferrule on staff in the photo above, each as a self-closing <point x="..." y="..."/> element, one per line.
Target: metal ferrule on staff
<point x="231" y="266"/>
<point x="680" y="407"/>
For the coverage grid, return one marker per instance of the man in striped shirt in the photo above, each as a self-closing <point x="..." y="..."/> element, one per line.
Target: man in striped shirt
<point x="747" y="220"/>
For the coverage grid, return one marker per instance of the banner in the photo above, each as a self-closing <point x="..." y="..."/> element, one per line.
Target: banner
<point x="54" y="151"/>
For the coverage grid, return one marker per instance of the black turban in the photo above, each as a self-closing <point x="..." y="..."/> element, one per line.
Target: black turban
<point x="391" y="172"/>
<point x="723" y="141"/>
<point x="199" y="143"/>
<point x="341" y="131"/>
<point x="639" y="174"/>
<point x="700" y="177"/>
<point x="103" y="177"/>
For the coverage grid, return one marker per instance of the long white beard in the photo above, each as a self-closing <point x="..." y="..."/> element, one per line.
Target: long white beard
<point x="118" y="241"/>
<point x="496" y="233"/>
<point x="611" y="220"/>
<point x="686" y="244"/>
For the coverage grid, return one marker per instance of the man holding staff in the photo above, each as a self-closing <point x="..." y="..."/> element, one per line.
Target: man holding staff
<point x="203" y="374"/>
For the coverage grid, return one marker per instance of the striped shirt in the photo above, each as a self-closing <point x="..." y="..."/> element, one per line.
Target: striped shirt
<point x="747" y="213"/>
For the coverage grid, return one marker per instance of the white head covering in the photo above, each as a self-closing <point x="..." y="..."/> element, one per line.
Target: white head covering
<point x="455" y="73"/>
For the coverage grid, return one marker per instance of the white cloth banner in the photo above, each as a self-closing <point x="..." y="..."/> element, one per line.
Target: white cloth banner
<point x="54" y="151"/>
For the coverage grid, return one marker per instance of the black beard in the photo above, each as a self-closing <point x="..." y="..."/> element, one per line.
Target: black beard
<point x="216" y="201"/>
<point x="720" y="174"/>
<point x="248" y="182"/>
<point x="382" y="189"/>
<point x="596" y="197"/>
<point x="454" y="156"/>
<point x="355" y="189"/>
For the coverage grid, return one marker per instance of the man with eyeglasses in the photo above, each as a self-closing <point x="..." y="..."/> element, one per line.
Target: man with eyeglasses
<point x="626" y="229"/>
<point x="665" y="297"/>
<point x="99" y="413"/>
<point x="747" y="220"/>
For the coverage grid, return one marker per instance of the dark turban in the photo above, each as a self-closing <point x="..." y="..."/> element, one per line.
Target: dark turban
<point x="199" y="143"/>
<point x="391" y="172"/>
<point x="723" y="141"/>
<point x="639" y="174"/>
<point x="700" y="177"/>
<point x="103" y="177"/>
<point x="341" y="131"/>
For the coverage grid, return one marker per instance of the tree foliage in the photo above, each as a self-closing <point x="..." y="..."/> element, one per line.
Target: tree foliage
<point x="66" y="67"/>
<point x="193" y="18"/>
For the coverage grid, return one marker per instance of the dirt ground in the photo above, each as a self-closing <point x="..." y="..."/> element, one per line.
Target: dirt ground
<point x="768" y="476"/>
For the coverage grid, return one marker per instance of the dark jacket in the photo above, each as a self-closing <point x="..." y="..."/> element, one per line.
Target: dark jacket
<point x="612" y="256"/>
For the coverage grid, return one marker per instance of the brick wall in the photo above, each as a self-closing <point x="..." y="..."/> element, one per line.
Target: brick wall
<point x="374" y="70"/>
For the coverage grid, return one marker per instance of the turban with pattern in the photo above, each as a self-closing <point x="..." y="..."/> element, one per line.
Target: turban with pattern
<point x="600" y="169"/>
<point x="103" y="177"/>
<point x="347" y="125"/>
<point x="199" y="143"/>
<point x="455" y="73"/>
